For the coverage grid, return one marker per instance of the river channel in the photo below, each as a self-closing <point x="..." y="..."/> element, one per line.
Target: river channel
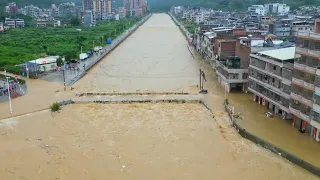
<point x="138" y="141"/>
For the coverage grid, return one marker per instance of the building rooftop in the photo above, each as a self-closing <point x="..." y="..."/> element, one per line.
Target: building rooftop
<point x="45" y="60"/>
<point x="281" y="54"/>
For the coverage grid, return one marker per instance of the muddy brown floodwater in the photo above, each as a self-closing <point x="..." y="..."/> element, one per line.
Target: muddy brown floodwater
<point x="133" y="141"/>
<point x="154" y="58"/>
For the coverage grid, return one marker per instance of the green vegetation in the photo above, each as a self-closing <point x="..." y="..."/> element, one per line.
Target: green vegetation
<point x="55" y="107"/>
<point x="40" y="3"/>
<point x="25" y="44"/>
<point x="233" y="5"/>
<point x="60" y="62"/>
<point x="190" y="26"/>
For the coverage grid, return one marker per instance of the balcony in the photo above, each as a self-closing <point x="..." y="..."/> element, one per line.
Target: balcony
<point x="315" y="116"/>
<point x="265" y="59"/>
<point x="264" y="96"/>
<point x="284" y="80"/>
<point x="308" y="86"/>
<point x="297" y="81"/>
<point x="271" y="87"/>
<point x="312" y="35"/>
<point x="303" y="83"/>
<point x="299" y="114"/>
<point x="232" y="69"/>
<point x="301" y="99"/>
<point x="307" y="52"/>
<point x="228" y="80"/>
<point x="299" y="66"/>
<point x="316" y="108"/>
<point x="305" y="117"/>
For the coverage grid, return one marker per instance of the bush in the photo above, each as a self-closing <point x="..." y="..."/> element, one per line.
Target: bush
<point x="55" y="107"/>
<point x="226" y="102"/>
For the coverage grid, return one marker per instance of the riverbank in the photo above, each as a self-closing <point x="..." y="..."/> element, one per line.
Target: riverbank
<point x="107" y="49"/>
<point x="275" y="130"/>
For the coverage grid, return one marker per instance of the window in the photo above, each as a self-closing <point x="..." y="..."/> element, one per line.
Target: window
<point x="274" y="67"/>
<point x="245" y="76"/>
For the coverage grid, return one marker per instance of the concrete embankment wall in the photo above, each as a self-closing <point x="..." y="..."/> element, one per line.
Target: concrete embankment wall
<point x="185" y="32"/>
<point x="114" y="44"/>
<point x="292" y="158"/>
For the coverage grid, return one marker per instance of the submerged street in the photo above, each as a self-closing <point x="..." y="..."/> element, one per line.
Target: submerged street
<point x="139" y="141"/>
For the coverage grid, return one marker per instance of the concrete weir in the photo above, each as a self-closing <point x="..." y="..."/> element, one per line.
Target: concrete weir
<point x="140" y="99"/>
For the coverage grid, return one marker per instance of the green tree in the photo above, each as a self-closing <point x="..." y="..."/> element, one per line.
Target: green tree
<point x="74" y="21"/>
<point x="60" y="62"/>
<point x="70" y="56"/>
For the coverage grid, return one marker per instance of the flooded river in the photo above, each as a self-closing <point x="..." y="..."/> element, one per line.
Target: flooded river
<point x="135" y="141"/>
<point x="154" y="58"/>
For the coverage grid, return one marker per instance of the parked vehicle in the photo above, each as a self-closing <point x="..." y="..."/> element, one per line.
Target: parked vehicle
<point x="83" y="56"/>
<point x="89" y="53"/>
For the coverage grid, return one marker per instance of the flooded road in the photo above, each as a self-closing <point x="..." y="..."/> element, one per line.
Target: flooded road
<point x="136" y="141"/>
<point x="154" y="58"/>
<point x="133" y="141"/>
<point x="274" y="130"/>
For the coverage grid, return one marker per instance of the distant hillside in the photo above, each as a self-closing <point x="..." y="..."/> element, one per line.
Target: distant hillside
<point x="223" y="4"/>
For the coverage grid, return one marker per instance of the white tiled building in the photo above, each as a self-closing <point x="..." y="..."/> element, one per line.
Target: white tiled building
<point x="276" y="8"/>
<point x="259" y="9"/>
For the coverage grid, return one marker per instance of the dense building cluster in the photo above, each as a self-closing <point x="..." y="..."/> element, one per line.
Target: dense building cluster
<point x="90" y="12"/>
<point x="275" y="56"/>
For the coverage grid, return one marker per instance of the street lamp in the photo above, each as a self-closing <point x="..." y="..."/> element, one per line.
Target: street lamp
<point x="10" y="105"/>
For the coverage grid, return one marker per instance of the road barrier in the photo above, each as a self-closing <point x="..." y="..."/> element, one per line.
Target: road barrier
<point x="292" y="158"/>
<point x="107" y="49"/>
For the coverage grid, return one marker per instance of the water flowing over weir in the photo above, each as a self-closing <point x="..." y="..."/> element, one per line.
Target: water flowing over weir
<point x="137" y="140"/>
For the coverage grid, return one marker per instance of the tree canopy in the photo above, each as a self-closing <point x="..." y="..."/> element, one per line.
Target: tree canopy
<point x="164" y="5"/>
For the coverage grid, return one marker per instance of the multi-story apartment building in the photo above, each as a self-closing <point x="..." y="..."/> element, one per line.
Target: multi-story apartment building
<point x="12" y="9"/>
<point x="305" y="95"/>
<point x="19" y="23"/>
<point x="1" y="27"/>
<point x="276" y="8"/>
<point x="281" y="29"/>
<point x="300" y="26"/>
<point x="135" y="7"/>
<point x="11" y="23"/>
<point x="122" y="12"/>
<point x="88" y="19"/>
<point x="270" y="74"/>
<point x="67" y="10"/>
<point x="207" y="47"/>
<point x="98" y="7"/>
<point x="231" y="74"/>
<point x="31" y="11"/>
<point x="259" y="9"/>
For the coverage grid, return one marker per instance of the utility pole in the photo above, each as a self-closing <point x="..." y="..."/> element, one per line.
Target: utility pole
<point x="64" y="79"/>
<point x="200" y="79"/>
<point x="93" y="45"/>
<point x="27" y="70"/>
<point x="81" y="49"/>
<point x="225" y="90"/>
<point x="10" y="105"/>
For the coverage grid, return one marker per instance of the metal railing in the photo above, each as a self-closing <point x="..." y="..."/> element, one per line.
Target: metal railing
<point x="309" y="34"/>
